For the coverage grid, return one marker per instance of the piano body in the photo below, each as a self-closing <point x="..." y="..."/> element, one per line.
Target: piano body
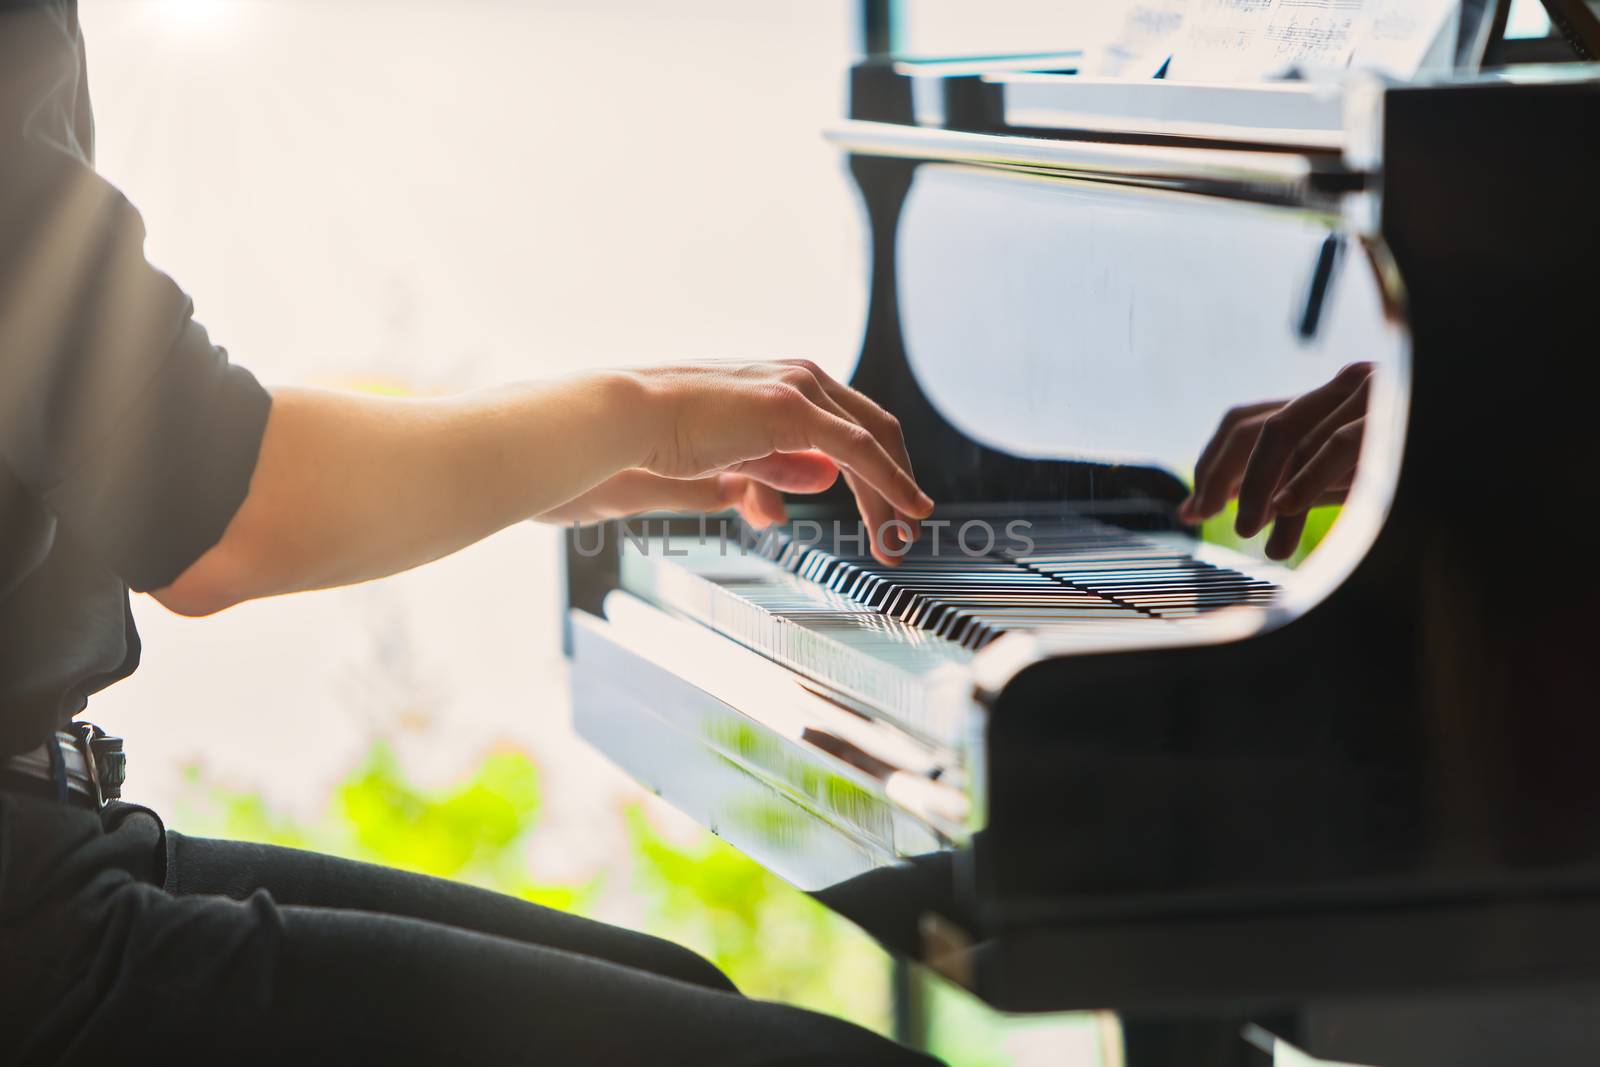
<point x="1111" y="765"/>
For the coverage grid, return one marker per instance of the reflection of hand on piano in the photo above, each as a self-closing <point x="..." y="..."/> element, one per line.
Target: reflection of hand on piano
<point x="706" y="419"/>
<point x="1281" y="458"/>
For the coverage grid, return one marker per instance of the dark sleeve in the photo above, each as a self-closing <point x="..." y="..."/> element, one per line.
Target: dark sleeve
<point x="116" y="411"/>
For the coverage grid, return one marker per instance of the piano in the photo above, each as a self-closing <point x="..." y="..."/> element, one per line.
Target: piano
<point x="1080" y="755"/>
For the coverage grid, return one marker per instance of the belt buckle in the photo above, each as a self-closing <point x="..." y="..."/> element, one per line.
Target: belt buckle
<point x="104" y="759"/>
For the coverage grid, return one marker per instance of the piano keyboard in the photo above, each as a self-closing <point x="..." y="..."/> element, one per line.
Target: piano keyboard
<point x="894" y="639"/>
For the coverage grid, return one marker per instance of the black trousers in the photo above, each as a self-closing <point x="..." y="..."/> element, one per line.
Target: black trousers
<point x="123" y="943"/>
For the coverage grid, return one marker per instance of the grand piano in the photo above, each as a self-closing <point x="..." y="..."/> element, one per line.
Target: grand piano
<point x="1082" y="755"/>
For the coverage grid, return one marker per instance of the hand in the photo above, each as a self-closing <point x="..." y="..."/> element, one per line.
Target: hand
<point x="748" y="418"/>
<point x="1281" y="458"/>
<point x="760" y="502"/>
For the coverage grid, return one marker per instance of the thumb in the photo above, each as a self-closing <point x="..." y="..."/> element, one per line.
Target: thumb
<point x="652" y="492"/>
<point x="760" y="504"/>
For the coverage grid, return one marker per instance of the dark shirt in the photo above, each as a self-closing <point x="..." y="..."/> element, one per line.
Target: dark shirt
<point x="127" y="440"/>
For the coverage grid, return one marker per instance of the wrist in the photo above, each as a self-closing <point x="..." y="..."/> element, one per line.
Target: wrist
<point x="629" y="410"/>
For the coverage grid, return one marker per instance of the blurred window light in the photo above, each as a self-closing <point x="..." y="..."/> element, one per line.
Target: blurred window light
<point x="1527" y="19"/>
<point x="999" y="27"/>
<point x="193" y="15"/>
<point x="950" y="27"/>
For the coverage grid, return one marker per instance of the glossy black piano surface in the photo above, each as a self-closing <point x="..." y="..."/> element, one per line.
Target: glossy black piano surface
<point x="1123" y="766"/>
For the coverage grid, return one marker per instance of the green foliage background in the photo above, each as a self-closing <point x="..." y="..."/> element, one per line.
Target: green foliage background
<point x="1218" y="530"/>
<point x="772" y="940"/>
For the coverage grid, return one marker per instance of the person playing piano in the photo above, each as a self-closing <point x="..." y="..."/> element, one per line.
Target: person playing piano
<point x="134" y="455"/>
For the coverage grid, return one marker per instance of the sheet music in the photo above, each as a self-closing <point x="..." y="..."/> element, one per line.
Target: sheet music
<point x="1243" y="40"/>
<point x="1143" y="42"/>
<point x="1399" y="34"/>
<point x="1240" y="40"/>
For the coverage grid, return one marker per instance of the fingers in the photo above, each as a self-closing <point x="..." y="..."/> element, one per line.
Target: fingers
<point x="812" y="472"/>
<point x="753" y="418"/>
<point x="1354" y="409"/>
<point x="846" y="406"/>
<point x="1285" y="536"/>
<point x="1282" y="435"/>
<point x="1235" y="416"/>
<point x="852" y="406"/>
<point x="824" y="424"/>
<point x="886" y="544"/>
<point x="1330" y="468"/>
<point x="854" y="448"/>
<point x="1283" y="458"/>
<point x="1323" y="467"/>
<point x="1217" y="475"/>
<point x="884" y="426"/>
<point x="761" y="505"/>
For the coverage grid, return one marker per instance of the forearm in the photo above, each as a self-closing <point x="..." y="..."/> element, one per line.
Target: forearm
<point x="349" y="488"/>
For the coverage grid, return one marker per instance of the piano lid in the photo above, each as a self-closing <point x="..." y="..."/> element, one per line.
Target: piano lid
<point x="1060" y="315"/>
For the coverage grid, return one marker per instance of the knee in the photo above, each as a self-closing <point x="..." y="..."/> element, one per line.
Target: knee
<point x="674" y="961"/>
<point x="879" y="1053"/>
<point x="813" y="1040"/>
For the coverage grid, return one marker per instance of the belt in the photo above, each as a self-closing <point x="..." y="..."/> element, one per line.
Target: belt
<point x="90" y="760"/>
